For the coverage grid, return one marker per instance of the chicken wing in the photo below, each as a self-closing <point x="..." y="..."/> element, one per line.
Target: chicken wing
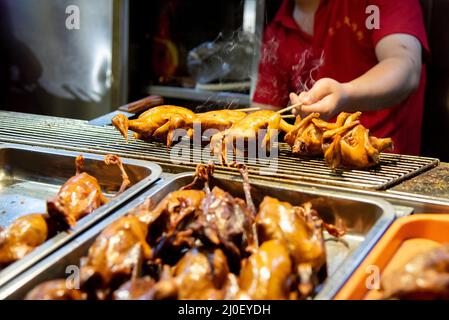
<point x="157" y="124"/>
<point x="305" y="138"/>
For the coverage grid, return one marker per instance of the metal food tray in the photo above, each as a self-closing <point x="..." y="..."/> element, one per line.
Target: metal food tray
<point x="31" y="175"/>
<point x="367" y="219"/>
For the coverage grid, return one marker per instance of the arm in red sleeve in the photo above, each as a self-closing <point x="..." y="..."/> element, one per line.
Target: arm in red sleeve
<point x="403" y="16"/>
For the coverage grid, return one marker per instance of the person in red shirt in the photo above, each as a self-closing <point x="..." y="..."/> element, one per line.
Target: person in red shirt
<point x="349" y="55"/>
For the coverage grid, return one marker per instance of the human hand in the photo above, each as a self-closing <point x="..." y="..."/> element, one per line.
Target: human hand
<point x="327" y="97"/>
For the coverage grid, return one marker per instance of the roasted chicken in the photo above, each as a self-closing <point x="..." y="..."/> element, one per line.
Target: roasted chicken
<point x="136" y="289"/>
<point x="23" y="236"/>
<point x="344" y="144"/>
<point x="257" y="129"/>
<point x="426" y="276"/>
<point x="198" y="275"/>
<point x="116" y="253"/>
<point x="218" y="120"/>
<point x="266" y="273"/>
<point x="201" y="276"/>
<point x="305" y="138"/>
<point x="55" y="290"/>
<point x="227" y="222"/>
<point x="202" y="242"/>
<point x="350" y="145"/>
<point x="300" y="232"/>
<point x="158" y="123"/>
<point x="81" y="194"/>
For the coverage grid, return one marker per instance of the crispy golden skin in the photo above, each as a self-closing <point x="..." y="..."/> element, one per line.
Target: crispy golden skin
<point x="265" y="275"/>
<point x="350" y="145"/>
<point x="157" y="124"/>
<point x="219" y="119"/>
<point x="81" y="194"/>
<point x="21" y="237"/>
<point x="116" y="253"/>
<point x="249" y="131"/>
<point x="55" y="290"/>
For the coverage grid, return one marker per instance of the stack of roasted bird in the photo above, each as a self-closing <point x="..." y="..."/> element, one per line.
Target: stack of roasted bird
<point x="201" y="242"/>
<point x="344" y="144"/>
<point x="77" y="198"/>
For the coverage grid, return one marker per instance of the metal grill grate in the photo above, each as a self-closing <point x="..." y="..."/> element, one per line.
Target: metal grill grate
<point x="77" y="135"/>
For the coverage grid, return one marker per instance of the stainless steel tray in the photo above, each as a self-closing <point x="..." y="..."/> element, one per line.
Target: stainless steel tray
<point x="31" y="175"/>
<point x="367" y="218"/>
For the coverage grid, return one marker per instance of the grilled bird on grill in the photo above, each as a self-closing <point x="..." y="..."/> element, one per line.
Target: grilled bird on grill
<point x="258" y="128"/>
<point x="219" y="120"/>
<point x="158" y="123"/>
<point x="306" y="136"/>
<point x="344" y="144"/>
<point x="350" y="145"/>
<point x="81" y="194"/>
<point x="426" y="276"/>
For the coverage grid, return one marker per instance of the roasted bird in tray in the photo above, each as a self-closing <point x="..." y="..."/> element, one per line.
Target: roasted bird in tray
<point x="201" y="242"/>
<point x="424" y="277"/>
<point x="78" y="197"/>
<point x="23" y="236"/>
<point x="82" y="194"/>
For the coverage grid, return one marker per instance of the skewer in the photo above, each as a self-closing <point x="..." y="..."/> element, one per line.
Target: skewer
<point x="248" y="109"/>
<point x="298" y="105"/>
<point x="289" y="116"/>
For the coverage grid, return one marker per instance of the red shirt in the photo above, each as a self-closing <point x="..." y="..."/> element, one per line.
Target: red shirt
<point x="342" y="48"/>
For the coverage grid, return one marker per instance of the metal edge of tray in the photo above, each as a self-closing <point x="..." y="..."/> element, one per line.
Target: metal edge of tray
<point x="329" y="288"/>
<point x="13" y="270"/>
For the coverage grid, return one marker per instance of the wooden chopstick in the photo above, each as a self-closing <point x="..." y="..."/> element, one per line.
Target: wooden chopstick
<point x="248" y="109"/>
<point x="290" y="108"/>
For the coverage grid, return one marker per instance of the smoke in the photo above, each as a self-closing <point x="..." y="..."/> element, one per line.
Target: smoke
<point x="304" y="72"/>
